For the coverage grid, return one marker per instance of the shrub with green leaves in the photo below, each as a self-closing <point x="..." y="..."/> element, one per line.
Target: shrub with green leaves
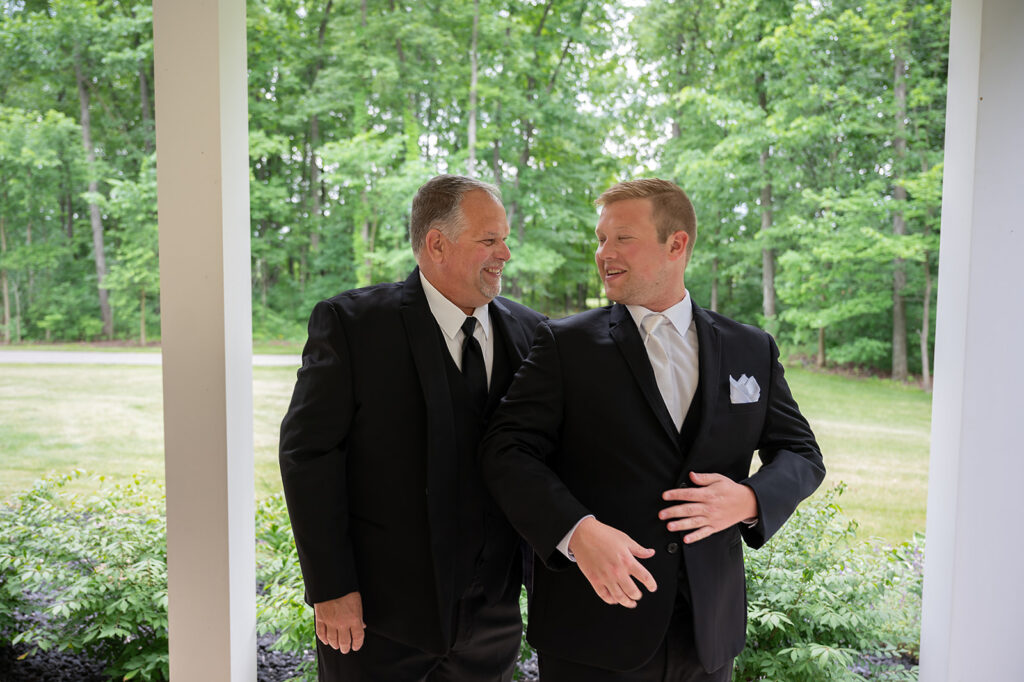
<point x="823" y="606"/>
<point x="88" y="574"/>
<point x="280" y="605"/>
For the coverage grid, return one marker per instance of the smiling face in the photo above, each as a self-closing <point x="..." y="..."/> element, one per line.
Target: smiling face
<point x="637" y="268"/>
<point x="467" y="270"/>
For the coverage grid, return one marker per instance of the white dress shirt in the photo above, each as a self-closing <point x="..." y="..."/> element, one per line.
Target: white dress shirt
<point x="678" y="336"/>
<point x="450" y="318"/>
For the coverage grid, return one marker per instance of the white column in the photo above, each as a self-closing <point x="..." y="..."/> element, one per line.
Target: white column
<point x="203" y="201"/>
<point x="973" y="598"/>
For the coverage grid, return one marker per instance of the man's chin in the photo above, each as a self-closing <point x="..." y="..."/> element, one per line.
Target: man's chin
<point x="491" y="290"/>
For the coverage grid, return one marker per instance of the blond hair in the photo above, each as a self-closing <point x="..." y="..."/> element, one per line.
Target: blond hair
<point x="671" y="209"/>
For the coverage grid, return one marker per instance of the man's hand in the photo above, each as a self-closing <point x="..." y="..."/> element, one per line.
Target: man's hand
<point x="715" y="504"/>
<point x="339" y="622"/>
<point x="608" y="559"/>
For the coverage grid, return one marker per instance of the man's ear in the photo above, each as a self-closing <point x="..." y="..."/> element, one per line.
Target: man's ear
<point x="434" y="245"/>
<point x="677" y="243"/>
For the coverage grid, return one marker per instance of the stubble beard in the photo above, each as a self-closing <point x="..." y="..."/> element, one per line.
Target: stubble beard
<point x="489" y="290"/>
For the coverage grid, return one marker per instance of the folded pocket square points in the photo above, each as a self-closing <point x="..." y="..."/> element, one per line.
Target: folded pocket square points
<point x="743" y="390"/>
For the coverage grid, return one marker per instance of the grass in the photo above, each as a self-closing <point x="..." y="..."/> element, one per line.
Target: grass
<point x="108" y="419"/>
<point x="258" y="347"/>
<point x="874" y="435"/>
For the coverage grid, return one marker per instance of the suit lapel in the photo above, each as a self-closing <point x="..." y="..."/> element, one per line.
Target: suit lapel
<point x="516" y="342"/>
<point x="709" y="355"/>
<point x="425" y="346"/>
<point x="627" y="337"/>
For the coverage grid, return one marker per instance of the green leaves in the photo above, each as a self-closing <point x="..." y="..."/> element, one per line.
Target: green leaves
<point x="823" y="606"/>
<point x="95" y="567"/>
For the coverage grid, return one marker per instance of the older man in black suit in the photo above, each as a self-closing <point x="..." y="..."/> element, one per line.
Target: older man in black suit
<point x="413" y="572"/>
<point x="622" y="453"/>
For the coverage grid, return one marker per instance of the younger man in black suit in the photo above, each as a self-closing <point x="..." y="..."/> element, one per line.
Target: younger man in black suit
<point x="624" y="445"/>
<point x="413" y="572"/>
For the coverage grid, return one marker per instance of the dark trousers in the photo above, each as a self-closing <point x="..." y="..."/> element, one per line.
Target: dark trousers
<point x="486" y="647"/>
<point x="675" y="660"/>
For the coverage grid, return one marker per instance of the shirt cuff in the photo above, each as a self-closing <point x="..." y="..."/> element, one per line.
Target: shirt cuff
<point x="563" y="546"/>
<point x="750" y="523"/>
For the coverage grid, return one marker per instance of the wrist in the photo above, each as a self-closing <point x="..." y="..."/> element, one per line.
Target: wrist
<point x="579" y="533"/>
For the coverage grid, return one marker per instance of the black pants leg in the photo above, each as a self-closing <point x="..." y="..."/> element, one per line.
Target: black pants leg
<point x="675" y="660"/>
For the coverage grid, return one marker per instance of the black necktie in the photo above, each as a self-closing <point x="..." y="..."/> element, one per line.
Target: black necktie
<point x="473" y="370"/>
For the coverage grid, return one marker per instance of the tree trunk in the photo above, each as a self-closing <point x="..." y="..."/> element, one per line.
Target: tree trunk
<point x="371" y="244"/>
<point x="820" y="360"/>
<point x="926" y="318"/>
<point x="471" y="162"/>
<point x="94" y="210"/>
<point x="496" y="147"/>
<point x="314" y="182"/>
<point x="3" y="283"/>
<point x="314" y="134"/>
<point x="899" y="228"/>
<point x="142" y="317"/>
<point x="926" y="375"/>
<point x="767" y="254"/>
<point x="69" y="214"/>
<point x="261" y="264"/>
<point x="30" y="288"/>
<point x="147" y="117"/>
<point x="714" y="284"/>
<point x="17" y="314"/>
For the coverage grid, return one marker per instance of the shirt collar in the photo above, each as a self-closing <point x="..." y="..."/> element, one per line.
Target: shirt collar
<point x="448" y="315"/>
<point x="680" y="314"/>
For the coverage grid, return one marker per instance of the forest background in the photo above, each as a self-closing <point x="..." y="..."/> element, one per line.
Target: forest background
<point x="808" y="134"/>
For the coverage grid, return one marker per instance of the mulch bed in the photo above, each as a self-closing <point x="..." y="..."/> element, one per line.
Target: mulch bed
<point x="55" y="666"/>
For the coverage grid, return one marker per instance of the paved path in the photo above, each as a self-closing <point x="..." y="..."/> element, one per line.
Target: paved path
<point x="76" y="357"/>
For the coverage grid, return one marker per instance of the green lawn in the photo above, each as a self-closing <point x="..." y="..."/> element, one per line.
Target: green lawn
<point x="258" y="347"/>
<point x="107" y="419"/>
<point x="874" y="436"/>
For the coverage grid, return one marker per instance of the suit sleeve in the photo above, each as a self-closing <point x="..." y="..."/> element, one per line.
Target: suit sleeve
<point x="312" y="458"/>
<point x="792" y="467"/>
<point x="518" y="449"/>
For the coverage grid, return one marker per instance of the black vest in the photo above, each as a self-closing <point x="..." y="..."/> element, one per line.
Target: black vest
<point x="687" y="434"/>
<point x="691" y="422"/>
<point x="474" y="530"/>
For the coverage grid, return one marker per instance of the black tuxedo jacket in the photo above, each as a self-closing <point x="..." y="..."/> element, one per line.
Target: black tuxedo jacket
<point x="583" y="430"/>
<point x="368" y="460"/>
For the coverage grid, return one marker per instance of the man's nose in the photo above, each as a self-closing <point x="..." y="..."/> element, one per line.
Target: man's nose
<point x="504" y="253"/>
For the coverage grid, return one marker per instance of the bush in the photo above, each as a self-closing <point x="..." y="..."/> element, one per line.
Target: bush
<point x="280" y="605"/>
<point x="88" y="575"/>
<point x="822" y="606"/>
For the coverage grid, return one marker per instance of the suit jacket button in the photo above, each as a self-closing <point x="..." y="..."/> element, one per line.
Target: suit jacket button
<point x="672" y="547"/>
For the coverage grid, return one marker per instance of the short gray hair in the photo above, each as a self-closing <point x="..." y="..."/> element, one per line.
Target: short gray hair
<point x="437" y="204"/>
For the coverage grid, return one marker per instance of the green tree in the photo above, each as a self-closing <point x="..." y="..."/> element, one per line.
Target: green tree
<point x="135" y="275"/>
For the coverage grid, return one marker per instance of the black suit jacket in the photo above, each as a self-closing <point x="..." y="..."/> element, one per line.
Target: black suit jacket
<point x="583" y="430"/>
<point x="368" y="460"/>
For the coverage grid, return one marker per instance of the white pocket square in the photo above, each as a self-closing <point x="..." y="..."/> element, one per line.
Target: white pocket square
<point x="743" y="390"/>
